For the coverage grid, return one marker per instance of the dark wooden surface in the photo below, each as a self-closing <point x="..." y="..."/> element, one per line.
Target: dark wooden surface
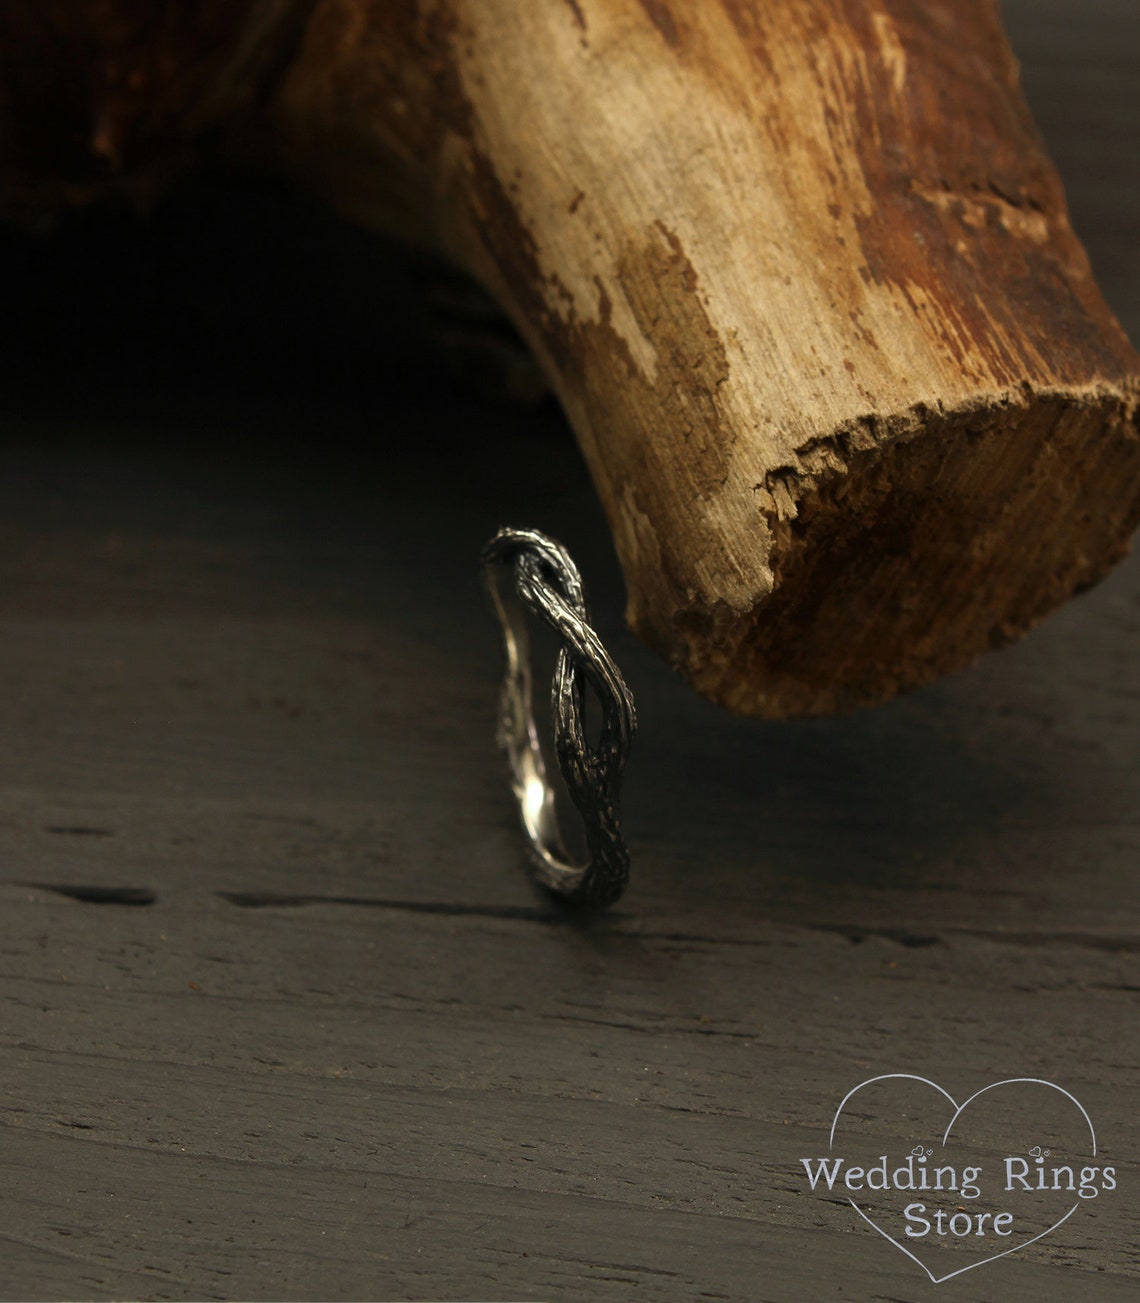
<point x="280" y="1015"/>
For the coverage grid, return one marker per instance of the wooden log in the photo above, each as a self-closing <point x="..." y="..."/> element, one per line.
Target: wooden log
<point x="804" y="282"/>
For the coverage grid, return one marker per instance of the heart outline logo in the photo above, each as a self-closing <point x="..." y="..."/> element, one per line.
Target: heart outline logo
<point x="959" y="1109"/>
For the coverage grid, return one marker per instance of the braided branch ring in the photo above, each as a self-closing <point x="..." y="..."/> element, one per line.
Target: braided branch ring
<point x="547" y="585"/>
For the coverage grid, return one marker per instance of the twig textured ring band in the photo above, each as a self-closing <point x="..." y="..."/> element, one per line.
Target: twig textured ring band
<point x="545" y="582"/>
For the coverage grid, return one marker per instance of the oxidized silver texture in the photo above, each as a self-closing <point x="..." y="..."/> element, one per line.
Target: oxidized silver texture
<point x="546" y="583"/>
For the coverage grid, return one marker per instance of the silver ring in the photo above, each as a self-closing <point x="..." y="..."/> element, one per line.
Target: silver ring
<point x="546" y="584"/>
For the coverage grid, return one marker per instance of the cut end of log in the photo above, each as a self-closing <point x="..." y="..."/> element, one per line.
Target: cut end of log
<point x="922" y="554"/>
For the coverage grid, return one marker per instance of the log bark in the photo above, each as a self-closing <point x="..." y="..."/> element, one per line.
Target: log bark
<point x="803" y="279"/>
